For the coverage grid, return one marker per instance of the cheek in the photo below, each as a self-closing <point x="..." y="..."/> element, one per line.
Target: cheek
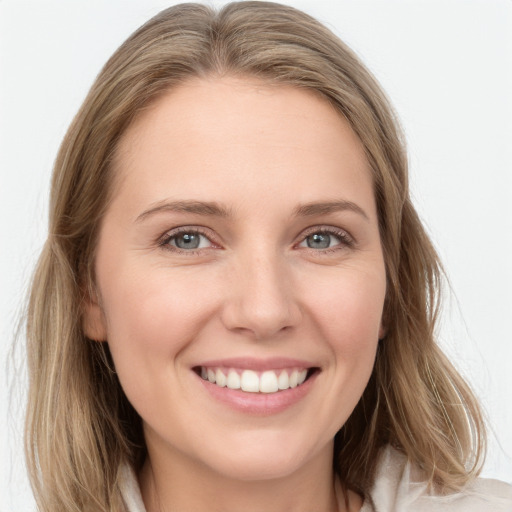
<point x="346" y="307"/>
<point x="151" y="317"/>
<point x="348" y="310"/>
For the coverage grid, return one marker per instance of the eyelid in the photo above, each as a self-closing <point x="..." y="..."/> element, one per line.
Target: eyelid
<point x="163" y="241"/>
<point x="347" y="240"/>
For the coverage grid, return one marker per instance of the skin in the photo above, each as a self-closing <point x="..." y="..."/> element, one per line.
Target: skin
<point x="254" y="288"/>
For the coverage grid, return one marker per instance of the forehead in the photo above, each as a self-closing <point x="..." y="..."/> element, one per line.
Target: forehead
<point x="208" y="135"/>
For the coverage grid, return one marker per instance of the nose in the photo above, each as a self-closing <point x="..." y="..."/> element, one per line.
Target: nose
<point x="261" y="299"/>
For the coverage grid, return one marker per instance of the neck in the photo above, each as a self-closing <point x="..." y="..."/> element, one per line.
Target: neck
<point x="177" y="483"/>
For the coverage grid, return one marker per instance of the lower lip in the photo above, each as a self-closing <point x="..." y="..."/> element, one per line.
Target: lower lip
<point x="262" y="404"/>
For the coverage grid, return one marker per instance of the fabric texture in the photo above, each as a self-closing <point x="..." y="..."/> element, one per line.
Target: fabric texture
<point x="397" y="488"/>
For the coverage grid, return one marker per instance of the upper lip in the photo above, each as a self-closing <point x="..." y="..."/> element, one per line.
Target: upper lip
<point x="256" y="364"/>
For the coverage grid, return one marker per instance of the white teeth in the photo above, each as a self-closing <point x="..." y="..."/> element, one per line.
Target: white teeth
<point x="220" y="379"/>
<point x="294" y="376"/>
<point x="284" y="381"/>
<point x="233" y="380"/>
<point x="250" y="381"/>
<point x="270" y="381"/>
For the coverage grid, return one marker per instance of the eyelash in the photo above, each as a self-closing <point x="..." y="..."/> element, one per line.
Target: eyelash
<point x="346" y="240"/>
<point x="164" y="242"/>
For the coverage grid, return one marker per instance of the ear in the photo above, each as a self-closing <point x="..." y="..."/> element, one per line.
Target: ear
<point x="382" y="330"/>
<point x="93" y="319"/>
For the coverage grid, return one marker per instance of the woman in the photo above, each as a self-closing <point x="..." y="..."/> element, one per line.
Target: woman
<point x="235" y="305"/>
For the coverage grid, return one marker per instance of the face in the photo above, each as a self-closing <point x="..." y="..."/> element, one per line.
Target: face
<point x="240" y="276"/>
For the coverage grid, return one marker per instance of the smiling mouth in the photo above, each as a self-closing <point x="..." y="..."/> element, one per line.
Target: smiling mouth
<point x="250" y="381"/>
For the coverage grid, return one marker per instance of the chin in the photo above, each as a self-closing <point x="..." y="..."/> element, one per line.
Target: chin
<point x="258" y="468"/>
<point x="261" y="458"/>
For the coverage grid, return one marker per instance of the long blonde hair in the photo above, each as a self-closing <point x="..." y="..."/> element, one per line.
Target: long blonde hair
<point x="80" y="427"/>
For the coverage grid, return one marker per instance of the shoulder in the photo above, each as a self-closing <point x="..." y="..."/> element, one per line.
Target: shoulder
<point x="397" y="488"/>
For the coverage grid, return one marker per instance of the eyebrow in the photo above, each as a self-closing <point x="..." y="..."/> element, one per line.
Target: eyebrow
<point x="206" y="208"/>
<point x="213" y="209"/>
<point x="324" y="208"/>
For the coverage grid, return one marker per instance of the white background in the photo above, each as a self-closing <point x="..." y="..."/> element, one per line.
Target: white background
<point x="447" y="66"/>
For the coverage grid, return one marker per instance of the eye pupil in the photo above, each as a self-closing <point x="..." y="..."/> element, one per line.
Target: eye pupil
<point x="319" y="241"/>
<point x="187" y="241"/>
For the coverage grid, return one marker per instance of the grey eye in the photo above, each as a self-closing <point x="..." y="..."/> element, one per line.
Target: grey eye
<point x="187" y="241"/>
<point x="319" y="241"/>
<point x="190" y="240"/>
